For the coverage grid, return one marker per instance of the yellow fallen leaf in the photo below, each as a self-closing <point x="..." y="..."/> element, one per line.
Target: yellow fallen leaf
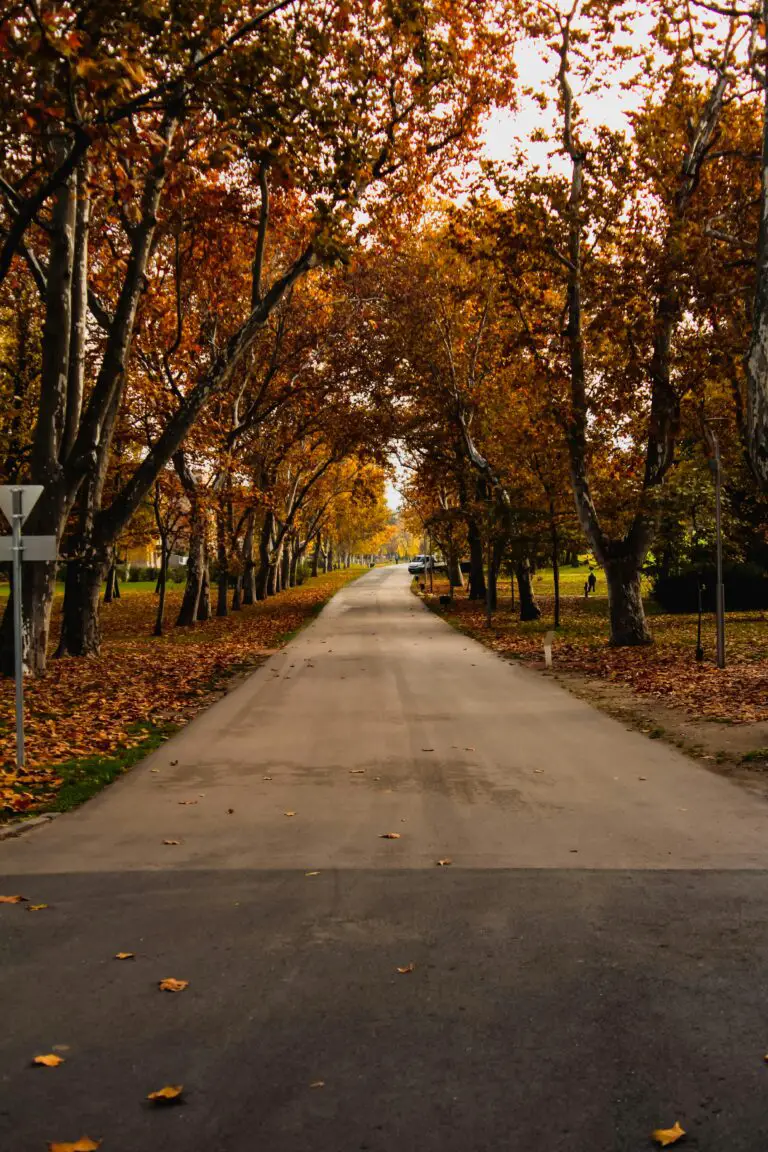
<point x="311" y="873"/>
<point x="12" y="899"/>
<point x="51" y="1060"/>
<point x="408" y="968"/>
<point x="84" y="1144"/>
<point x="125" y="955"/>
<point x="289" y="813"/>
<point x="166" y="1095"/>
<point x="443" y="863"/>
<point x="36" y="907"/>
<point x="390" y="836"/>
<point x="666" y="1136"/>
<point x="357" y="771"/>
<point x="171" y="841"/>
<point x="172" y="985"/>
<point x="187" y="801"/>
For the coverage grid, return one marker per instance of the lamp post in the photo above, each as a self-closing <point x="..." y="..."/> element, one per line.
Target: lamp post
<point x="715" y="465"/>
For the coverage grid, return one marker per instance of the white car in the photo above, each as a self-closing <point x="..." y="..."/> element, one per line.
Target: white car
<point x="421" y="564"/>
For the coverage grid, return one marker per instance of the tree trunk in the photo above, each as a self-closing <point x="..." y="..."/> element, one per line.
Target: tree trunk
<point x="625" y="603"/>
<point x="204" y="604"/>
<point x="265" y="556"/>
<point x="295" y="560"/>
<point x="223" y="559"/>
<point x="162" y="582"/>
<point x="249" y="567"/>
<point x="195" y="565"/>
<point x="455" y="575"/>
<point x="80" y="630"/>
<point x="109" y="591"/>
<point x="286" y="564"/>
<point x="529" y="609"/>
<point x="316" y="557"/>
<point x="476" y="575"/>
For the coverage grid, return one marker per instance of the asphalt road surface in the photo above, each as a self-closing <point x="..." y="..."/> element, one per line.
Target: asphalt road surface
<point x="590" y="966"/>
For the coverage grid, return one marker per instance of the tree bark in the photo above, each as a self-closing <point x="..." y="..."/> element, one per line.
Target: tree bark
<point x="529" y="609"/>
<point x="316" y="557"/>
<point x="195" y="565"/>
<point x="162" y="582"/>
<point x="80" y="627"/>
<point x="555" y="560"/>
<point x="222" y="553"/>
<point x="204" y="604"/>
<point x="249" y="566"/>
<point x="477" y="589"/>
<point x="628" y="623"/>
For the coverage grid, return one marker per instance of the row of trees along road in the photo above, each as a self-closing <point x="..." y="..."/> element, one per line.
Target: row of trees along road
<point x="567" y="337"/>
<point x="246" y="253"/>
<point x="171" y="176"/>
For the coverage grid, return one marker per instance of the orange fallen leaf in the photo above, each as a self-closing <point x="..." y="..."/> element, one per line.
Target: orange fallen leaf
<point x="443" y="863"/>
<point x="170" y="1094"/>
<point x="289" y="813"/>
<point x="390" y="836"/>
<point x="172" y="985"/>
<point x="50" y="1060"/>
<point x="171" y="841"/>
<point x="187" y="801"/>
<point x="12" y="899"/>
<point x="408" y="968"/>
<point x="125" y="955"/>
<point x="84" y="1144"/>
<point x="36" y="907"/>
<point x="666" y="1136"/>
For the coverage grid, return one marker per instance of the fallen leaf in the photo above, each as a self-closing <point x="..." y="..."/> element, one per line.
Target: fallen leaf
<point x="357" y="771"/>
<point x="230" y="811"/>
<point x="665" y="1136"/>
<point x="187" y="801"/>
<point x="427" y="749"/>
<point x="125" y="956"/>
<point x="538" y="771"/>
<point x="172" y="985"/>
<point x="171" y="841"/>
<point x="408" y="968"/>
<point x="317" y="1084"/>
<point x="289" y="813"/>
<point x="36" y="907"/>
<point x="266" y="777"/>
<point x="469" y="749"/>
<point x="154" y="769"/>
<point x="443" y="863"/>
<point x="12" y="899"/>
<point x="311" y="873"/>
<point x="51" y="1060"/>
<point x="642" y="777"/>
<point x="174" y="763"/>
<point x="390" y="836"/>
<point x="84" y="1144"/>
<point x="170" y="1094"/>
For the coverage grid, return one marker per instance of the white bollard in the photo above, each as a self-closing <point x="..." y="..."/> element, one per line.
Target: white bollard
<point x="548" y="649"/>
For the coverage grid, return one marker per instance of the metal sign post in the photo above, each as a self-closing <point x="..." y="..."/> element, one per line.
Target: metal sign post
<point x="16" y="502"/>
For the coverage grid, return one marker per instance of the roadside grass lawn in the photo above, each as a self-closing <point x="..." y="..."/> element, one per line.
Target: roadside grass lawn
<point x="87" y="721"/>
<point x="666" y="670"/>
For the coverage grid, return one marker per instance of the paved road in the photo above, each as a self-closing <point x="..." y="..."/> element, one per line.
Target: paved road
<point x="590" y="966"/>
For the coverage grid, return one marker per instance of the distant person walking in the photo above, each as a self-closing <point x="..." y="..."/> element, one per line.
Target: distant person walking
<point x="592" y="581"/>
